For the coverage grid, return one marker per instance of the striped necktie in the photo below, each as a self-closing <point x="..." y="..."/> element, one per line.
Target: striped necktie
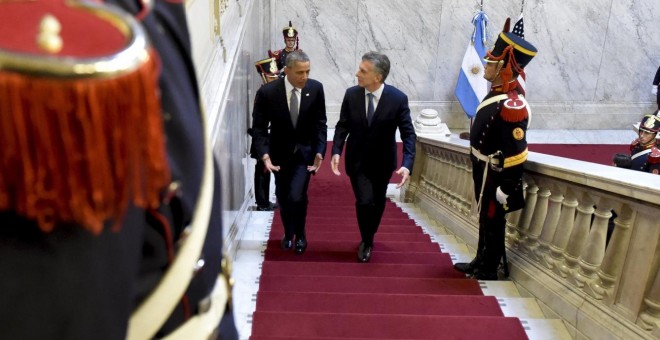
<point x="293" y="107"/>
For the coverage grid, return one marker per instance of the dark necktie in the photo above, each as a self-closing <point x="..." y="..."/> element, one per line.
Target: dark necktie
<point x="370" y="108"/>
<point x="293" y="108"/>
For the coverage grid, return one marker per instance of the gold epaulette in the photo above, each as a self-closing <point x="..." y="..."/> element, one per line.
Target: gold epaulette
<point x="514" y="108"/>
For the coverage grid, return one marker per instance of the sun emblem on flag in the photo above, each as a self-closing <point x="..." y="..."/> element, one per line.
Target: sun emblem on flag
<point x="475" y="69"/>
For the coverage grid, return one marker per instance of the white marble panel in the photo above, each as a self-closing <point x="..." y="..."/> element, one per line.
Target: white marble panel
<point x="406" y="31"/>
<point x="327" y="33"/>
<point x="631" y="53"/>
<point x="599" y="54"/>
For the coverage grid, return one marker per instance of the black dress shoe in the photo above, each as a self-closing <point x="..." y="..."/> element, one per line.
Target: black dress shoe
<point x="464" y="267"/>
<point x="301" y="245"/>
<point x="364" y="252"/>
<point x="286" y="243"/>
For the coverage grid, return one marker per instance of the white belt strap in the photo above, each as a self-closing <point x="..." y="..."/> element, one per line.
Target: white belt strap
<point x="488" y="160"/>
<point x="492" y="100"/>
<point x="643" y="152"/>
<point x="484" y="158"/>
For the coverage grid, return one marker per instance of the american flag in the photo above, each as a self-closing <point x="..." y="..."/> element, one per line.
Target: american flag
<point x="519" y="30"/>
<point x="519" y="27"/>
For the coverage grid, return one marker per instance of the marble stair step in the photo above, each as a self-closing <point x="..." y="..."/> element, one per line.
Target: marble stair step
<point x="454" y="248"/>
<point x="520" y="307"/>
<point x="500" y="289"/>
<point x="444" y="239"/>
<point x="545" y="329"/>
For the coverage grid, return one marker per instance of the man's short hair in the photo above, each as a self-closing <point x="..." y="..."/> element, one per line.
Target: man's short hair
<point x="297" y="55"/>
<point x="380" y="61"/>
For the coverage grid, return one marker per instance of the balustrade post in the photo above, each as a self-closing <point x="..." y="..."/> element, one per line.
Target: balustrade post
<point x="536" y="225"/>
<point x="451" y="181"/>
<point x="408" y="193"/>
<point x="467" y="191"/>
<point x="512" y="220"/>
<point x="649" y="319"/>
<point x="578" y="236"/>
<point x="528" y="211"/>
<point x="563" y="232"/>
<point x="550" y="226"/>
<point x="442" y="177"/>
<point x="615" y="256"/>
<point x="594" y="251"/>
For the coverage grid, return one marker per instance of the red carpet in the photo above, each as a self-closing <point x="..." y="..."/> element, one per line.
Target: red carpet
<point x="409" y="290"/>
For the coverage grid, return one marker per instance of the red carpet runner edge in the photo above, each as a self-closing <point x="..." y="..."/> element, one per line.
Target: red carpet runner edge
<point x="409" y="290"/>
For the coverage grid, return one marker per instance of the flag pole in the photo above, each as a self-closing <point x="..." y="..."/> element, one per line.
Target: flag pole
<point x="522" y="7"/>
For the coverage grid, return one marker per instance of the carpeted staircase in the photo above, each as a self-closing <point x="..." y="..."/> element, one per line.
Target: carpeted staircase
<point x="409" y="290"/>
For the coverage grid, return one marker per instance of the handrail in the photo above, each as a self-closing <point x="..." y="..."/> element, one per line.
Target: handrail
<point x="589" y="234"/>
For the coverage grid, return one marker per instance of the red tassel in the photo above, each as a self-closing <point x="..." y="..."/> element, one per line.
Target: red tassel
<point x="80" y="150"/>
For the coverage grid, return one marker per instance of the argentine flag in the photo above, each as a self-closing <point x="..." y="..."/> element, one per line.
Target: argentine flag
<point x="471" y="86"/>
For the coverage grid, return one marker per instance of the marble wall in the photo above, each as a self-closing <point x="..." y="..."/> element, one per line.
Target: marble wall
<point x="228" y="81"/>
<point x="594" y="69"/>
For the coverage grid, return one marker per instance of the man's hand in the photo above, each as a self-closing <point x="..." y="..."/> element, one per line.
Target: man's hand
<point x="501" y="196"/>
<point x="317" y="164"/>
<point x="334" y="164"/>
<point x="269" y="165"/>
<point x="405" y="173"/>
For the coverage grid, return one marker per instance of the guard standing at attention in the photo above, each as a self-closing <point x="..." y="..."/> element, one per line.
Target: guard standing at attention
<point x="499" y="150"/>
<point x="291" y="43"/>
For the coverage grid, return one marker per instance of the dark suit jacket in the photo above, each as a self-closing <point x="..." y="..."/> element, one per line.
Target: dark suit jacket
<point x="372" y="149"/>
<point x="308" y="138"/>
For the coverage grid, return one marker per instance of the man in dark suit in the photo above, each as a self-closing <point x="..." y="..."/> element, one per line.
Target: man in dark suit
<point x="293" y="149"/>
<point x="370" y="115"/>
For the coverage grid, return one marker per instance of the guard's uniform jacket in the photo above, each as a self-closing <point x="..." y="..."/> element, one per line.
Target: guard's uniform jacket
<point x="498" y="131"/>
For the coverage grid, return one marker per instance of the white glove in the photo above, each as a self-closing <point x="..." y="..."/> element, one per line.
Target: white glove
<point x="654" y="90"/>
<point x="501" y="196"/>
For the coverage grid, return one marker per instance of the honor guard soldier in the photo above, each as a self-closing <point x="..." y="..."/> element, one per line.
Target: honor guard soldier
<point x="644" y="152"/>
<point x="109" y="200"/>
<point x="498" y="151"/>
<point x="291" y="42"/>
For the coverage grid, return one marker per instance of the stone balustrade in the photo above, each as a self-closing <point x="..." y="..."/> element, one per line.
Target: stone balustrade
<point x="586" y="244"/>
